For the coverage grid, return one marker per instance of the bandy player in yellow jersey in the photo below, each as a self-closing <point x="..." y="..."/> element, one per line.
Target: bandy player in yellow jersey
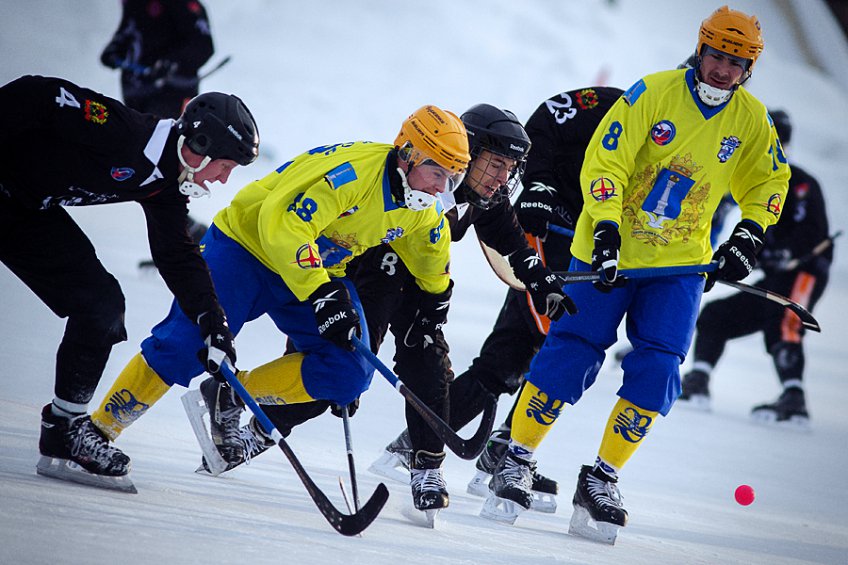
<point x="655" y="170"/>
<point x="281" y="247"/>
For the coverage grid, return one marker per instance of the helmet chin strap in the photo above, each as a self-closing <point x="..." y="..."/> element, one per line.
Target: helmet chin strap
<point x="186" y="178"/>
<point x="415" y="200"/>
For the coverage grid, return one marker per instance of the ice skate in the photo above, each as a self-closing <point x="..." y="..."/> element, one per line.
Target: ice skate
<point x="598" y="512"/>
<point x="429" y="490"/>
<point x="76" y="450"/>
<point x="255" y="441"/>
<point x="696" y="391"/>
<point x="510" y="489"/>
<point x="394" y="462"/>
<point x="790" y="410"/>
<point x="225" y="409"/>
<point x="544" y="489"/>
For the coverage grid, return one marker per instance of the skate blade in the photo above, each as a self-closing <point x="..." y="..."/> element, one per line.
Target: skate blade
<point x="543" y="502"/>
<point x="479" y="485"/>
<point x="501" y="509"/>
<point x="583" y="525"/>
<point x="195" y="409"/>
<point x="699" y="402"/>
<point x="67" y="470"/>
<point x="424" y="518"/>
<point x="769" y="418"/>
<point x="390" y="466"/>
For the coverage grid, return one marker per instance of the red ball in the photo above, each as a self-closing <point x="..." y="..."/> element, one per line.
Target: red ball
<point x="744" y="495"/>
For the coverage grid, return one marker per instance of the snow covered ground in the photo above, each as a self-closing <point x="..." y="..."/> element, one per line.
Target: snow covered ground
<point x="316" y="73"/>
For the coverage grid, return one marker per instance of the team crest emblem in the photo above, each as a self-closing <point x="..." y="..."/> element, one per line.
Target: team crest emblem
<point x="631" y="425"/>
<point x="307" y="257"/>
<point x="544" y="409"/>
<point x="121" y="174"/>
<point x="775" y="203"/>
<point x="728" y="146"/>
<point x="392" y="234"/>
<point x="95" y="112"/>
<point x="602" y="189"/>
<point x="663" y="132"/>
<point x="587" y="99"/>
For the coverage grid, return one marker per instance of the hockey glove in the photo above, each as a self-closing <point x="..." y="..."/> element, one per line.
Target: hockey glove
<point x="605" y="256"/>
<point x="338" y="411"/>
<point x="545" y="291"/>
<point x="335" y="315"/>
<point x="431" y="315"/>
<point x="218" y="338"/>
<point x="536" y="208"/>
<point x="737" y="256"/>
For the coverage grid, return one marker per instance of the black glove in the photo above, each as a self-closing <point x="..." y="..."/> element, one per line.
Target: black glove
<point x="605" y="255"/>
<point x="737" y="256"/>
<point x="218" y="338"/>
<point x="113" y="55"/>
<point x="545" y="291"/>
<point x="335" y="315"/>
<point x="536" y="208"/>
<point x="337" y="410"/>
<point x="431" y="315"/>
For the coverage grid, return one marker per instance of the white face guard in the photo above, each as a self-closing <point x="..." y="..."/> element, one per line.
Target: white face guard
<point x="187" y="184"/>
<point x="418" y="200"/>
<point x="712" y="96"/>
<point x="415" y="200"/>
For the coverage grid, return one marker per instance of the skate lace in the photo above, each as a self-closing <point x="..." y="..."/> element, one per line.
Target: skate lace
<point x="518" y="473"/>
<point x="254" y="442"/>
<point x="87" y="443"/>
<point x="603" y="493"/>
<point x="428" y="480"/>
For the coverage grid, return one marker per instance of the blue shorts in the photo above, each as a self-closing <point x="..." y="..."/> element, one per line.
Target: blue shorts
<point x="247" y="290"/>
<point x="661" y="315"/>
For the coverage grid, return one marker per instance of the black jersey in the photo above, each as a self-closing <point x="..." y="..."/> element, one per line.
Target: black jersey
<point x="497" y="227"/>
<point x="560" y="130"/>
<point x="64" y="145"/>
<point x="802" y="225"/>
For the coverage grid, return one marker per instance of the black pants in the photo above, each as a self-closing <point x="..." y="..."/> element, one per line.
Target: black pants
<point x="743" y="314"/>
<point x="48" y="251"/>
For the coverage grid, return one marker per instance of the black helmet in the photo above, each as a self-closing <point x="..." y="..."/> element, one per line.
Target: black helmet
<point x="220" y="126"/>
<point x="782" y="125"/>
<point x="500" y="132"/>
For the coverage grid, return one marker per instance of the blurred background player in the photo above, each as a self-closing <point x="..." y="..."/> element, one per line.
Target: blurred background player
<point x="101" y="152"/>
<point x="655" y="171"/>
<point x="159" y="47"/>
<point x="793" y="269"/>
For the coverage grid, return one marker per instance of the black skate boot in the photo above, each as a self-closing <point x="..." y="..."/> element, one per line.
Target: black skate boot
<point x="696" y="390"/>
<point x="544" y="489"/>
<point x="790" y="408"/>
<point x="597" y="503"/>
<point x="225" y="410"/>
<point x="510" y="489"/>
<point x="76" y="450"/>
<point x="394" y="462"/>
<point x="429" y="491"/>
<point x="255" y="441"/>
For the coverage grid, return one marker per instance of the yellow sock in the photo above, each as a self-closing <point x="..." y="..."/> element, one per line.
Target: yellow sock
<point x="534" y="415"/>
<point x="626" y="427"/>
<point x="135" y="390"/>
<point x="277" y="382"/>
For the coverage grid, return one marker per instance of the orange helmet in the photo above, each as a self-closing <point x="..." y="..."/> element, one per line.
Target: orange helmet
<point x="433" y="133"/>
<point x="732" y="32"/>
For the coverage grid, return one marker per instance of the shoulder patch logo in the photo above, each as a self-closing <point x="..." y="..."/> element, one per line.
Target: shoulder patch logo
<point x="96" y="112"/>
<point x="634" y="92"/>
<point x="663" y="132"/>
<point x="340" y="176"/>
<point x="587" y="98"/>
<point x="774" y="204"/>
<point x="307" y="257"/>
<point x="602" y="189"/>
